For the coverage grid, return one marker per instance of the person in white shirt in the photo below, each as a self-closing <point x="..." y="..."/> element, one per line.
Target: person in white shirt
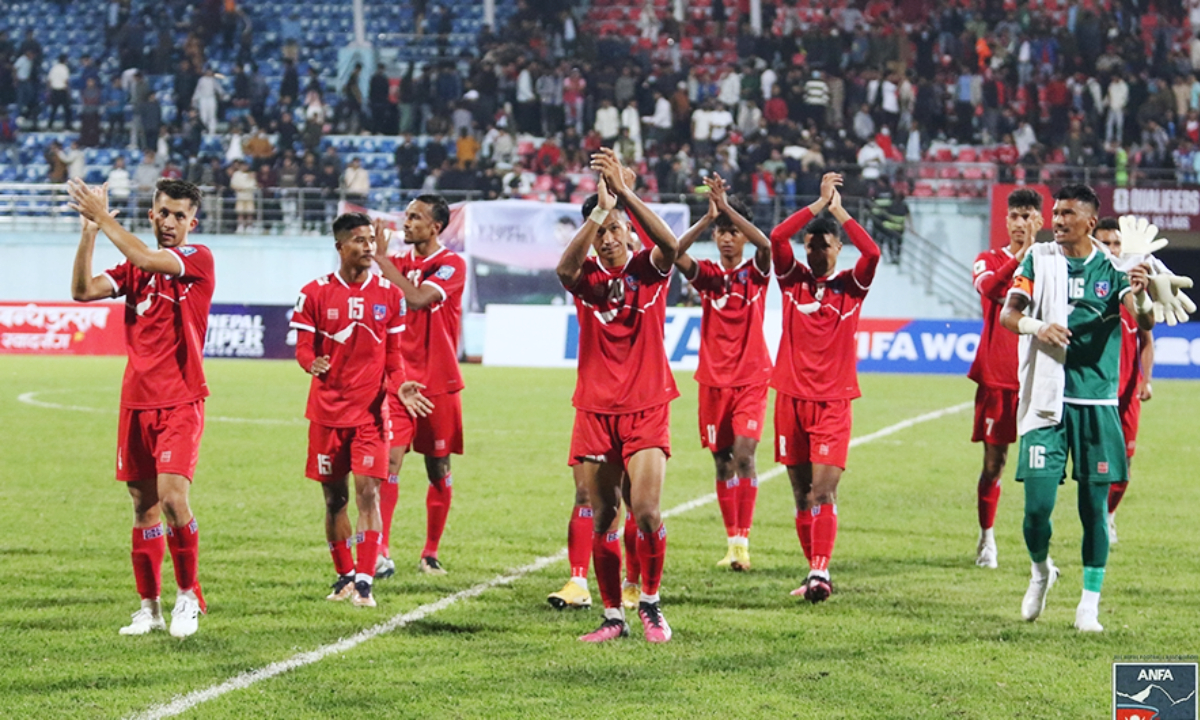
<point x="356" y="181"/>
<point x="1024" y="138"/>
<point x="1118" y="98"/>
<point x="631" y="120"/>
<point x="730" y="87"/>
<point x="658" y="125"/>
<point x="58" y="80"/>
<point x="912" y="148"/>
<point x="871" y="159"/>
<point x="767" y="82"/>
<point x="702" y="131"/>
<point x="73" y="157"/>
<point x="235" y="151"/>
<point x="608" y="122"/>
<point x="721" y="120"/>
<point x="204" y="99"/>
<point x="244" y="186"/>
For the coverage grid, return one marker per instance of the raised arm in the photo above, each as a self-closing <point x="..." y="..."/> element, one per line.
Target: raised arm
<point x="761" y="243"/>
<point x="781" y="237"/>
<point x="666" y="247"/>
<point x="992" y="285"/>
<point x="686" y="264"/>
<point x="86" y="287"/>
<point x="416" y="297"/>
<point x="864" y="269"/>
<point x="92" y="204"/>
<point x="1138" y="300"/>
<point x="570" y="265"/>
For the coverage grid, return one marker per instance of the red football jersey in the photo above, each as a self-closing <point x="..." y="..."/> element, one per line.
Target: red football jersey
<point x="995" y="362"/>
<point x="733" y="350"/>
<point x="166" y="321"/>
<point x="430" y="344"/>
<point x="622" y="356"/>
<point x="817" y="358"/>
<point x="1131" y="361"/>
<point x="350" y="324"/>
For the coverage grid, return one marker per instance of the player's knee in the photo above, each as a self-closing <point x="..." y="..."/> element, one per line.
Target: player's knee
<point x="648" y="519"/>
<point x="367" y="495"/>
<point x="336" y="502"/>
<point x="745" y="465"/>
<point x="824" y="497"/>
<point x="175" y="507"/>
<point x="604" y="519"/>
<point x="437" y="468"/>
<point x="581" y="496"/>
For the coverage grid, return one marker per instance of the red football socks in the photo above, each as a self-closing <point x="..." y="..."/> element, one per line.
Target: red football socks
<point x="368" y="552"/>
<point x="747" y="496"/>
<point x="1116" y="491"/>
<point x="149" y="546"/>
<point x="343" y="557"/>
<point x="633" y="566"/>
<point x="824" y="532"/>
<point x="652" y="550"/>
<point x="184" y="543"/>
<point x="437" y="507"/>
<point x="579" y="537"/>
<point x="989" y="499"/>
<point x="389" y="495"/>
<point x="727" y="498"/>
<point x="804" y="523"/>
<point x="606" y="556"/>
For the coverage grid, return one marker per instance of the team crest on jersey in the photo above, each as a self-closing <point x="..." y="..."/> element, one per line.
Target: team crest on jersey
<point x="185" y="251"/>
<point x="743" y="276"/>
<point x="332" y="313"/>
<point x="631" y="282"/>
<point x="1101" y="288"/>
<point x="445" y="272"/>
<point x="380" y="311"/>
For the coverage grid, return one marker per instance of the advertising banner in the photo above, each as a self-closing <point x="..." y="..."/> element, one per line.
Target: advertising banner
<point x="250" y="331"/>
<point x="1168" y="208"/>
<point x="66" y="328"/>
<point x="884" y="345"/>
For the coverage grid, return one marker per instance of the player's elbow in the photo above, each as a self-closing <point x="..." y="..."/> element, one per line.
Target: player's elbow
<point x="1009" y="317"/>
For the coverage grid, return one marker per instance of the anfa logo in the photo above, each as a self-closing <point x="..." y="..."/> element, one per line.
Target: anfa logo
<point x="1154" y="691"/>
<point x="445" y="272"/>
<point x="1101" y="288"/>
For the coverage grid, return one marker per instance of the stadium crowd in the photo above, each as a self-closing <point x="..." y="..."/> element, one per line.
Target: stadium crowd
<point x="1038" y="88"/>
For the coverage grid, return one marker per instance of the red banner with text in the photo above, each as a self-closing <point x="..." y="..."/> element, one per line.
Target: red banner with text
<point x="1168" y="208"/>
<point x="48" y="328"/>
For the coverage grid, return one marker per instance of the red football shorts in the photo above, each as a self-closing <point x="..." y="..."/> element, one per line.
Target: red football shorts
<point x="995" y="416"/>
<point x="811" y="431"/>
<point x="1131" y="413"/>
<point x="615" y="438"/>
<point x="726" y="413"/>
<point x="162" y="440"/>
<point x="401" y="426"/>
<point x="333" y="452"/>
<point x="441" y="433"/>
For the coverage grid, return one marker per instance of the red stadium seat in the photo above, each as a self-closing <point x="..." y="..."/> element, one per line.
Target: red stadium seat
<point x="967" y="154"/>
<point x="944" y="155"/>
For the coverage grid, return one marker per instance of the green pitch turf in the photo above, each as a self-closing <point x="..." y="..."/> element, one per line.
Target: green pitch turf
<point x="914" y="630"/>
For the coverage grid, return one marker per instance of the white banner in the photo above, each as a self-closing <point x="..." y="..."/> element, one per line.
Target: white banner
<point x="548" y="336"/>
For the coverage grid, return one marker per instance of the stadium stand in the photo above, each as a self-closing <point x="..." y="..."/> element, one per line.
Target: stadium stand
<point x="918" y="98"/>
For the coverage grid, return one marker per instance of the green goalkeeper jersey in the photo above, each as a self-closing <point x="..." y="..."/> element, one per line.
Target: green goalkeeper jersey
<point x="1094" y="290"/>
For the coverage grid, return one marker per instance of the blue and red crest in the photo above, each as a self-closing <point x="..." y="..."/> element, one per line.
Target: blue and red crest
<point x="1102" y="288"/>
<point x="380" y="311"/>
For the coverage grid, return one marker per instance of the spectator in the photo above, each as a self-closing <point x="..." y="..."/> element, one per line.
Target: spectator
<point x="53" y="154"/>
<point x="631" y="122"/>
<point x="75" y="162"/>
<point x="150" y="119"/>
<point x="289" y="84"/>
<point x="245" y="188"/>
<point x="383" y="121"/>
<point x="58" y="81"/>
<point x="258" y="147"/>
<point x="120" y="184"/>
<point x="608" y="122"/>
<point x="466" y="149"/>
<point x="357" y="182"/>
<point x="204" y="99"/>
<point x="116" y="100"/>
<point x="145" y="175"/>
<point x="871" y="159"/>
<point x="864" y="126"/>
<point x="816" y="99"/>
<point x="27" y="94"/>
<point x="91" y="99"/>
<point x="407" y="159"/>
<point x="574" y="89"/>
<point x="1115" y="103"/>
<point x="658" y="125"/>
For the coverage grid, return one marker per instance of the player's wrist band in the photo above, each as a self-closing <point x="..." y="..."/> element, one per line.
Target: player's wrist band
<point x="598" y="215"/>
<point x="1029" y="326"/>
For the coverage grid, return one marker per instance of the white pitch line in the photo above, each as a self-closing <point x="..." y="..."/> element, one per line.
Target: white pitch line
<point x="30" y="398"/>
<point x="183" y="703"/>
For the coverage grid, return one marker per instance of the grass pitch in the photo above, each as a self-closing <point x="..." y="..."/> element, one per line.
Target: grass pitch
<point x="915" y="630"/>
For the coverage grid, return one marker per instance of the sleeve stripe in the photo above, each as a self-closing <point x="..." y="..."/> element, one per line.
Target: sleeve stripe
<point x="1019" y="291"/>
<point x="856" y="282"/>
<point x="980" y="277"/>
<point x="182" y="267"/>
<point x="1123" y="292"/>
<point x="437" y="287"/>
<point x="115" y="288"/>
<point x="302" y="326"/>
<point x="394" y="330"/>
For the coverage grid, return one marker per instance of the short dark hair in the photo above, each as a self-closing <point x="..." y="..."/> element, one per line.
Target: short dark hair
<point x="439" y="210"/>
<point x="823" y="226"/>
<point x="723" y="221"/>
<point x="1025" y="198"/>
<point x="1082" y="193"/>
<point x="593" y="200"/>
<point x="1108" y="223"/>
<point x="178" y="190"/>
<point x="349" y="221"/>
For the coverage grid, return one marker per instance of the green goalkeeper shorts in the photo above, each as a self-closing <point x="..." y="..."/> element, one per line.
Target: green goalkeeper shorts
<point x="1090" y="434"/>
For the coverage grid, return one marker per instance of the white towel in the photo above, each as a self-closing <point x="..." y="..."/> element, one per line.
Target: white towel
<point x="1040" y="368"/>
